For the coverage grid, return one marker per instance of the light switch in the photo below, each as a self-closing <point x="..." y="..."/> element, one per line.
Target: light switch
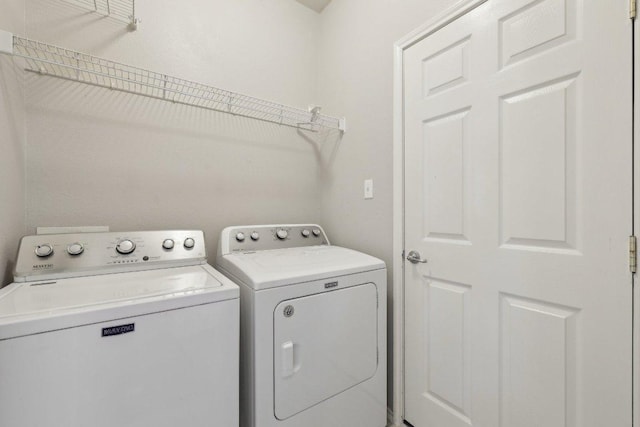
<point x="368" y="189"/>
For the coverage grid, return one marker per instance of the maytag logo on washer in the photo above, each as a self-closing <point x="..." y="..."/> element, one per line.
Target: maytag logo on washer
<point x="42" y="266"/>
<point x="330" y="285"/>
<point x="118" y="330"/>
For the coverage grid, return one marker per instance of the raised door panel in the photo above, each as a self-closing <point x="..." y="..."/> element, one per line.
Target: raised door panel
<point x="538" y="166"/>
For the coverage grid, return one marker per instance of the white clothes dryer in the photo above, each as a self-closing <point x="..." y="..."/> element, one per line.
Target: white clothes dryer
<point x="312" y="328"/>
<point x="118" y="329"/>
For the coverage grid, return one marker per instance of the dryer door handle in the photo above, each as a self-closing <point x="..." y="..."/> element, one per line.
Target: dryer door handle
<point x="287" y="359"/>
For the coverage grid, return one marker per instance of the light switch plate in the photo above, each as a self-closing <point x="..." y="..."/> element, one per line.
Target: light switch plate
<point x="368" y="189"/>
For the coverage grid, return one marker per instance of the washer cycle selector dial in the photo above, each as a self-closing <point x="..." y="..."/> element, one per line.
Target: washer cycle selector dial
<point x="189" y="243"/>
<point x="305" y="233"/>
<point x="282" y="234"/>
<point x="240" y="237"/>
<point x="255" y="236"/>
<point x="44" y="250"/>
<point x="168" y="244"/>
<point x="125" y="247"/>
<point x="75" y="248"/>
<point x="316" y="232"/>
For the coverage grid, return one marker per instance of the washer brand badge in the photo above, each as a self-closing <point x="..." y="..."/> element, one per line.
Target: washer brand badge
<point x="330" y="285"/>
<point x="118" y="330"/>
<point x="42" y="266"/>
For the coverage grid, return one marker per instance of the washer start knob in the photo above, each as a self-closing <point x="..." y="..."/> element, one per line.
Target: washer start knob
<point x="189" y="243"/>
<point x="44" y="250"/>
<point x="255" y="236"/>
<point x="282" y="234"/>
<point x="125" y="247"/>
<point x="305" y="233"/>
<point x="168" y="244"/>
<point x="240" y="237"/>
<point x="316" y="232"/>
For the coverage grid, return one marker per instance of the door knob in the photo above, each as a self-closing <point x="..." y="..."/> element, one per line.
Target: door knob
<point x="415" y="257"/>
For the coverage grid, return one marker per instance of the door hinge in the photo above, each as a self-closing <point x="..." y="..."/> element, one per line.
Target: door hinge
<point x="632" y="9"/>
<point x="633" y="254"/>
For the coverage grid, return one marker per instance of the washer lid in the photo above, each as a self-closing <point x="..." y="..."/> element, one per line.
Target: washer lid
<point x="278" y="267"/>
<point x="48" y="305"/>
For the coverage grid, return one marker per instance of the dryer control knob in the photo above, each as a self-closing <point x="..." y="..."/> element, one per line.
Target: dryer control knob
<point x="255" y="236"/>
<point x="316" y="232"/>
<point x="282" y="234"/>
<point x="168" y="244"/>
<point x="305" y="233"/>
<point x="240" y="237"/>
<point x="75" y="249"/>
<point x="44" y="250"/>
<point x="125" y="247"/>
<point x="189" y="243"/>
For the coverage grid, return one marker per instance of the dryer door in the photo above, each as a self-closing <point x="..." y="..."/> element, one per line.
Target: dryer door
<point x="324" y="344"/>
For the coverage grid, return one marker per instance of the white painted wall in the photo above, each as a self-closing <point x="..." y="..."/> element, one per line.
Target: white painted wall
<point x="103" y="157"/>
<point x="355" y="79"/>
<point x="12" y="140"/>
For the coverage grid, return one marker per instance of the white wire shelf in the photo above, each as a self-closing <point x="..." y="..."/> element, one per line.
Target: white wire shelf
<point x="67" y="64"/>
<point x="122" y="10"/>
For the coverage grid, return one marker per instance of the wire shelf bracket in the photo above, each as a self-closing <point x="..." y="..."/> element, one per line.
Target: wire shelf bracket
<point x="67" y="64"/>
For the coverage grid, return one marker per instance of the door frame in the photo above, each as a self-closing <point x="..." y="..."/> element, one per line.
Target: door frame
<point x="436" y="23"/>
<point x="635" y="224"/>
<point x="396" y="417"/>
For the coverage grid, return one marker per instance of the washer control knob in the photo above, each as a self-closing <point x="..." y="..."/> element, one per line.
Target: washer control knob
<point x="75" y="248"/>
<point x="168" y="244"/>
<point x="240" y="237"/>
<point x="255" y="236"/>
<point x="316" y="232"/>
<point x="305" y="233"/>
<point x="282" y="234"/>
<point x="125" y="247"/>
<point x="189" y="243"/>
<point x="44" y="250"/>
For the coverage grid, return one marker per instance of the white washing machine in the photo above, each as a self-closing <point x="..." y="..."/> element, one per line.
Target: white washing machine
<point x="313" y="328"/>
<point x="118" y="329"/>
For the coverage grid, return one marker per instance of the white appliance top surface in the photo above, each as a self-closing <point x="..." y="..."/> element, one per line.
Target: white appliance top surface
<point x="41" y="303"/>
<point x="279" y="267"/>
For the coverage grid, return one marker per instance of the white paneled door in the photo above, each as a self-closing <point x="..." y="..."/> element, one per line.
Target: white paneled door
<point x="518" y="195"/>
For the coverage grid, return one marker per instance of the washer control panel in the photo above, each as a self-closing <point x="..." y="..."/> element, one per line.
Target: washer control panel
<point x="246" y="238"/>
<point x="77" y="254"/>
